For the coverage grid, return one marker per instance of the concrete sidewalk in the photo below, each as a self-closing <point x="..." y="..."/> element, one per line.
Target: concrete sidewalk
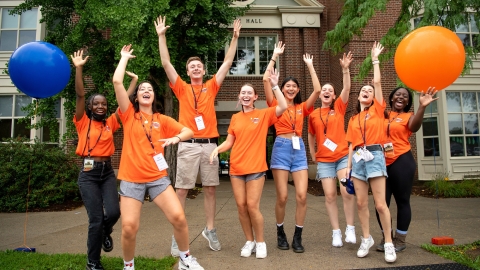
<point x="66" y="232"/>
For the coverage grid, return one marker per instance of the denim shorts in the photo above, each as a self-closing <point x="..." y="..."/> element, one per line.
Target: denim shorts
<point x="370" y="169"/>
<point x="137" y="190"/>
<point x="330" y="169"/>
<point x="249" y="177"/>
<point x="284" y="157"/>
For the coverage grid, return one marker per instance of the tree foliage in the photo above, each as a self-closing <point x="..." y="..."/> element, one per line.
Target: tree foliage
<point x="198" y="27"/>
<point x="447" y="13"/>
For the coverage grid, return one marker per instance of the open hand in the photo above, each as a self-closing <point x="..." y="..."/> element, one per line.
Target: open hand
<point x="160" y="25"/>
<point x="77" y="58"/>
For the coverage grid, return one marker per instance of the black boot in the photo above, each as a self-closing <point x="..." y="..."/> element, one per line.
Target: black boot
<point x="93" y="265"/>
<point x="297" y="240"/>
<point x="282" y="242"/>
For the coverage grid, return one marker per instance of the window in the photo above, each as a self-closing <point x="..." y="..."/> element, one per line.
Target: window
<point x="430" y="131"/>
<point x="11" y="111"/>
<point x="468" y="33"/>
<point x="463" y="114"/>
<point x="252" y="56"/>
<point x="16" y="30"/>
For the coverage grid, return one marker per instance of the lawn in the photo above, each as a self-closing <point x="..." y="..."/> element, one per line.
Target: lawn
<point x="468" y="255"/>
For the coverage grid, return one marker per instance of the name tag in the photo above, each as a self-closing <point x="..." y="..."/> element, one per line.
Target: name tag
<point x="296" y="143"/>
<point x="388" y="147"/>
<point x="358" y="155"/>
<point x="199" y="122"/>
<point x="87" y="164"/>
<point x="330" y="145"/>
<point x="160" y="161"/>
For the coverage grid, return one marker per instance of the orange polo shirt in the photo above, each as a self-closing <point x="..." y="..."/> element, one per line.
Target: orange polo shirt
<point x="205" y="97"/>
<point x="137" y="164"/>
<point x="370" y="120"/>
<point x="249" y="154"/>
<point x="293" y="115"/>
<point x="335" y="122"/>
<point x="399" y="134"/>
<point x="104" y="135"/>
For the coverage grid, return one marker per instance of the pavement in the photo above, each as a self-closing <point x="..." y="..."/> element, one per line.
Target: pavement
<point x="66" y="232"/>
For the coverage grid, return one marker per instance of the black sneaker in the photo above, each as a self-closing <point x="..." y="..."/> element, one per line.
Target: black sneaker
<point x="94" y="266"/>
<point x="107" y="244"/>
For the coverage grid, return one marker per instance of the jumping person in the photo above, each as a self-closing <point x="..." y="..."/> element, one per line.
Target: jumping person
<point x="326" y="129"/>
<point x="197" y="112"/>
<point x="143" y="166"/>
<point x="247" y="134"/>
<point x="288" y="153"/>
<point x="365" y="136"/>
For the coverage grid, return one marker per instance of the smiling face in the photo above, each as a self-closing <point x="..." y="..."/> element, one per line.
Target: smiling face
<point x="290" y="90"/>
<point x="327" y="95"/>
<point x="145" y="95"/>
<point x="98" y="105"/>
<point x="400" y="100"/>
<point x="366" y="95"/>
<point x="195" y="70"/>
<point x="247" y="96"/>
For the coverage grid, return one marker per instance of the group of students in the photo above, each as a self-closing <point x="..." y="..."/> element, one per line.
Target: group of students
<point x="367" y="152"/>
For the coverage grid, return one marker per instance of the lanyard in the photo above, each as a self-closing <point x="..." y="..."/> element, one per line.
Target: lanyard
<point x="294" y="117"/>
<point x="389" y="121"/>
<point x="149" y="136"/>
<point x="364" y="134"/>
<point x="324" y="123"/>
<point x="88" y="138"/>
<point x="195" y="99"/>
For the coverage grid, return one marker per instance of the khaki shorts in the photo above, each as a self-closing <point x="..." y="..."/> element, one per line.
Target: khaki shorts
<point x="192" y="158"/>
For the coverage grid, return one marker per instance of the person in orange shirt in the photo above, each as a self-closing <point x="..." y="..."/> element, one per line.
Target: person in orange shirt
<point x="326" y="129"/>
<point x="143" y="166"/>
<point x="97" y="181"/>
<point x="365" y="136"/>
<point x="247" y="134"/>
<point x="288" y="153"/>
<point x="197" y="112"/>
<point x="401" y="166"/>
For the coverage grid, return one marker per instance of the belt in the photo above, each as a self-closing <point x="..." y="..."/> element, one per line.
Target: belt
<point x="211" y="140"/>
<point x="373" y="147"/>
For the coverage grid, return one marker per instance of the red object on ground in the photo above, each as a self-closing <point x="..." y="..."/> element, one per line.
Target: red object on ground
<point x="442" y="240"/>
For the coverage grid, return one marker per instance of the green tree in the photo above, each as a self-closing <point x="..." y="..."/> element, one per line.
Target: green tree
<point x="198" y="27"/>
<point x="356" y="15"/>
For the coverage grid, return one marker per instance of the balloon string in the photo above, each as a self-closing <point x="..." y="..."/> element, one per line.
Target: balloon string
<point x="436" y="175"/>
<point x="28" y="192"/>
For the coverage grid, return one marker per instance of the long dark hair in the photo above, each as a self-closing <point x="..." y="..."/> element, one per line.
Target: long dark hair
<point x="156" y="107"/>
<point x="332" y="105"/>
<point x="89" y="104"/>
<point x="359" y="107"/>
<point x="298" y="98"/>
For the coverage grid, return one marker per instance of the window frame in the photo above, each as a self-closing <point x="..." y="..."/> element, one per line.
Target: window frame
<point x="18" y="29"/>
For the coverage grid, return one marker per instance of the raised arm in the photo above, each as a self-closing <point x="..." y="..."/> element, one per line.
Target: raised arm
<point x="133" y="82"/>
<point x="120" y="93"/>
<point x="225" y="146"/>
<point x="415" y="122"/>
<point x="232" y="49"/>
<point x="163" y="49"/>
<point x="78" y="62"/>
<point x="282" y="102"/>
<point x="308" y="59"/>
<point x="279" y="47"/>
<point x="345" y="64"/>
<point x="376" y="50"/>
<point x="311" y="145"/>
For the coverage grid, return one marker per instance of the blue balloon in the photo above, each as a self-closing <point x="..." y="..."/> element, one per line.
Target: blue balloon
<point x="39" y="69"/>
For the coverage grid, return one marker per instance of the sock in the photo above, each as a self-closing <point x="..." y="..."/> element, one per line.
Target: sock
<point x="350" y="227"/>
<point x="337" y="230"/>
<point x="129" y="263"/>
<point x="280" y="225"/>
<point x="298" y="226"/>
<point x="401" y="232"/>
<point x="184" y="254"/>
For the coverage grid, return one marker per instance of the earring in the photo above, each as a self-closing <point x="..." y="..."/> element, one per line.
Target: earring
<point x="136" y="100"/>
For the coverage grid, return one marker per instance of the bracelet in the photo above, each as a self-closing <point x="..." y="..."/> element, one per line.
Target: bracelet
<point x="273" y="60"/>
<point x="275" y="88"/>
<point x="375" y="62"/>
<point x="179" y="139"/>
<point x="347" y="71"/>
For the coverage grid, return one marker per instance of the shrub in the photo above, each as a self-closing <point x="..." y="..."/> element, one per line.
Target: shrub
<point x="455" y="189"/>
<point x="52" y="172"/>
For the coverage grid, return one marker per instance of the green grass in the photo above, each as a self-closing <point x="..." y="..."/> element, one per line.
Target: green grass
<point x="457" y="253"/>
<point x="29" y="261"/>
<point x="455" y="189"/>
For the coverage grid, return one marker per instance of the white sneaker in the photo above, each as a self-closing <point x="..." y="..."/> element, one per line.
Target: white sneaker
<point x="189" y="263"/>
<point x="390" y="255"/>
<point x="366" y="244"/>
<point x="337" y="238"/>
<point x="261" y="250"/>
<point x="248" y="249"/>
<point x="129" y="267"/>
<point x="174" y="248"/>
<point x="350" y="235"/>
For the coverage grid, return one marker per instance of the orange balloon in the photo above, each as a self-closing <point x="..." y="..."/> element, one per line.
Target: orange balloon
<point x="430" y="56"/>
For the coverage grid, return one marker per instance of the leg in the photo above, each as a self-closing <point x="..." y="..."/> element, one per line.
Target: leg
<point x="330" y="189"/>
<point x="348" y="200"/>
<point x="378" y="190"/>
<point x="300" y="178"/>
<point x="182" y="196"/>
<point x="130" y="209"/>
<point x="254" y="190"/>
<point x="281" y="178"/>
<point x="110" y="202"/>
<point x="361" y="191"/>
<point x="210" y="204"/>
<point x="239" y="192"/>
